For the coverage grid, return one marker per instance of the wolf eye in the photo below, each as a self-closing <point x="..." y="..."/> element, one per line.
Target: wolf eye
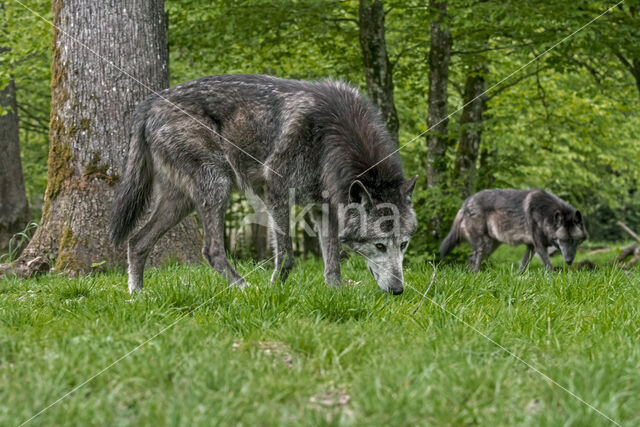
<point x="403" y="245"/>
<point x="380" y="246"/>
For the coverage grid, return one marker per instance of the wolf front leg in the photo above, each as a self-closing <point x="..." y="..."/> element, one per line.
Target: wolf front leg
<point x="330" y="245"/>
<point x="526" y="259"/>
<point x="281" y="241"/>
<point x="213" y="249"/>
<point x="541" y="250"/>
<point x="213" y="196"/>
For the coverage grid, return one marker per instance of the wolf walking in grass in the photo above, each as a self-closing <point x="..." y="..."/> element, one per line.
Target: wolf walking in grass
<point x="535" y="218"/>
<point x="192" y="143"/>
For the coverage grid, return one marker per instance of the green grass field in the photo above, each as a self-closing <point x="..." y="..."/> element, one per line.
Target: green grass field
<point x="301" y="353"/>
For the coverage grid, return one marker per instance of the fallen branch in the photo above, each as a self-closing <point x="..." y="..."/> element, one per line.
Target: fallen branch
<point x="599" y="251"/>
<point x="635" y="259"/>
<point x="633" y="249"/>
<point x="433" y="277"/>
<point x="629" y="231"/>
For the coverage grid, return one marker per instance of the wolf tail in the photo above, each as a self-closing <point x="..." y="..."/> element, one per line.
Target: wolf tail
<point x="453" y="238"/>
<point x="133" y="191"/>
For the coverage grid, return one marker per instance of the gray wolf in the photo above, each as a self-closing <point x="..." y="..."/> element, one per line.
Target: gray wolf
<point x="535" y="218"/>
<point x="191" y="144"/>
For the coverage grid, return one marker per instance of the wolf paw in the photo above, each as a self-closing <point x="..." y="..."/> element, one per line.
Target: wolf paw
<point x="241" y="284"/>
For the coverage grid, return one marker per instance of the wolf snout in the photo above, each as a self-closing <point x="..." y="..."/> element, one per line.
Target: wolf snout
<point x="396" y="287"/>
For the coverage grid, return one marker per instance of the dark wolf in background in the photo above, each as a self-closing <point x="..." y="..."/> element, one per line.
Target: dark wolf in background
<point x="192" y="143"/>
<point x="534" y="218"/>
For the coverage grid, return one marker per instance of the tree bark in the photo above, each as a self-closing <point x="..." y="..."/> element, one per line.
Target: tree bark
<point x="471" y="125"/>
<point x="260" y="238"/>
<point x="438" y="136"/>
<point x="14" y="208"/>
<point x="631" y="60"/>
<point x="378" y="70"/>
<point x="95" y="46"/>
<point x="437" y="122"/>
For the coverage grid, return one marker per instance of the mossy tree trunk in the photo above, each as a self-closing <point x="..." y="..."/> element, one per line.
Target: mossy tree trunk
<point x="437" y="122"/>
<point x="14" y="209"/>
<point x="107" y="57"/>
<point x="378" y="70"/>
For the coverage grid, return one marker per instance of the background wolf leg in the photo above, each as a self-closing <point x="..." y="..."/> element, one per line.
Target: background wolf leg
<point x="526" y="259"/>
<point x="171" y="206"/>
<point x="482" y="248"/>
<point x="541" y="250"/>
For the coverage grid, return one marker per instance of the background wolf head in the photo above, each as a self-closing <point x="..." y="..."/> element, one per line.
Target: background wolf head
<point x="567" y="232"/>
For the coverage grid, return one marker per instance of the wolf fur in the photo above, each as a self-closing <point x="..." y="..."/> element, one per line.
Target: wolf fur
<point x="270" y="138"/>
<point x="535" y="218"/>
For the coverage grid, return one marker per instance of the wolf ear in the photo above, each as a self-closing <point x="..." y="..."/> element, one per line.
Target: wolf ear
<point x="578" y="218"/>
<point x="358" y="193"/>
<point x="557" y="218"/>
<point x="408" y="187"/>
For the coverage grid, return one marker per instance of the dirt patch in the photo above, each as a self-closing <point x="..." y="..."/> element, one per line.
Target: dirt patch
<point x="334" y="405"/>
<point x="330" y="399"/>
<point x="276" y="349"/>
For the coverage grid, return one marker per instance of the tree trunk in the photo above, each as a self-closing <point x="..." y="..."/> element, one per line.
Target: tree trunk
<point x="378" y="71"/>
<point x="437" y="122"/>
<point x="486" y="177"/>
<point x="14" y="209"/>
<point x="439" y="56"/>
<point x="471" y="126"/>
<point x="311" y="243"/>
<point x="260" y="238"/>
<point x="107" y="57"/>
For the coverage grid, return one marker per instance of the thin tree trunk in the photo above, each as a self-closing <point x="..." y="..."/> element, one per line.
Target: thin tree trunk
<point x="471" y="125"/>
<point x="632" y="63"/>
<point x="260" y="239"/>
<point x="378" y="70"/>
<point x="437" y="122"/>
<point x="14" y="208"/>
<point x="91" y="104"/>
<point x="311" y="243"/>
<point x="486" y="177"/>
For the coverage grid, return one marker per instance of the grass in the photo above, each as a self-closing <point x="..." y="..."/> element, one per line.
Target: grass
<point x="301" y="353"/>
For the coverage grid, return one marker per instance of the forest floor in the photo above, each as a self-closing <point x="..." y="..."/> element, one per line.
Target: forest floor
<point x="495" y="348"/>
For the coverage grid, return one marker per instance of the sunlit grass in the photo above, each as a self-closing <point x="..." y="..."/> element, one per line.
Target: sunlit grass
<point x="302" y="353"/>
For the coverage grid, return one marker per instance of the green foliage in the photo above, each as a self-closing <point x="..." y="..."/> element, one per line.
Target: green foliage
<point x="267" y="355"/>
<point x="18" y="242"/>
<point x="567" y="122"/>
<point x="303" y="39"/>
<point x="27" y="60"/>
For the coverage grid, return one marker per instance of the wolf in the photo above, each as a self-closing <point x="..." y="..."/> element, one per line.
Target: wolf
<point x="535" y="218"/>
<point x="190" y="145"/>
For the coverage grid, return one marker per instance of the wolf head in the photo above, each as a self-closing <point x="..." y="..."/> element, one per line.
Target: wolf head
<point x="567" y="232"/>
<point x="377" y="224"/>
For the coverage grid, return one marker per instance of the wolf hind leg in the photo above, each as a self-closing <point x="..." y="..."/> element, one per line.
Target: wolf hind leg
<point x="171" y="206"/>
<point x="212" y="199"/>
<point x="482" y="248"/>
